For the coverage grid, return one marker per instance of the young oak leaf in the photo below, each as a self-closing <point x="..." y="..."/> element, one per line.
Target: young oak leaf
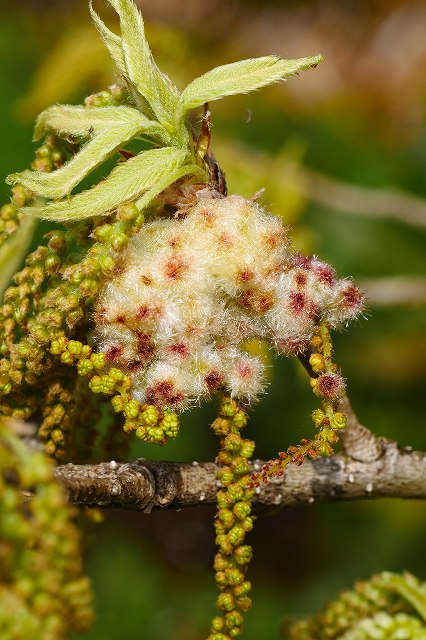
<point x="157" y="88"/>
<point x="241" y="77"/>
<point x="115" y="47"/>
<point x="126" y="182"/>
<point x="112" y="127"/>
<point x="111" y="40"/>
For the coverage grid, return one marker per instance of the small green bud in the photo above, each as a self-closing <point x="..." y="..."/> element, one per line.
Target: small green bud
<point x="236" y="535"/>
<point x="232" y="442"/>
<point x="98" y="360"/>
<point x="229" y="408"/>
<point x="225" y="476"/>
<point x="67" y="358"/>
<point x="127" y="212"/>
<point x="88" y="287"/>
<point x="338" y="420"/>
<point x="317" y="362"/>
<point x="74" y="347"/>
<point x="242" y="509"/>
<point x="118" y="403"/>
<point x="52" y="263"/>
<point x="247" y="448"/>
<point x="84" y="367"/>
<point x="131" y="410"/>
<point x="116" y="374"/>
<point x="119" y="241"/>
<point x="234" y="619"/>
<point x="149" y="415"/>
<point x="318" y="417"/>
<point x="227" y="517"/>
<point x="218" y="623"/>
<point x="233" y="576"/>
<point x="240" y="466"/>
<point x="240" y="419"/>
<point x="58" y="345"/>
<point x="170" y="424"/>
<point x="106" y="263"/>
<point x="242" y="589"/>
<point x="103" y="233"/>
<point x="225" y="602"/>
<point x="243" y="554"/>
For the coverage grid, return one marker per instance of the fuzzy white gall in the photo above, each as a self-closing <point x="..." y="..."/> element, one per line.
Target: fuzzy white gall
<point x="191" y="291"/>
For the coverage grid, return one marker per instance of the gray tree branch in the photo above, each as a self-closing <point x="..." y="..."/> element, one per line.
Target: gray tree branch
<point x="144" y="485"/>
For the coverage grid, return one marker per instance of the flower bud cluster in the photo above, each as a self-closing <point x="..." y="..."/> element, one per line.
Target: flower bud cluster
<point x="43" y="593"/>
<point x="51" y="296"/>
<point x="232" y="521"/>
<point x="146" y="420"/>
<point x="327" y="384"/>
<point x="192" y="290"/>
<point x="375" y="608"/>
<point x="111" y="97"/>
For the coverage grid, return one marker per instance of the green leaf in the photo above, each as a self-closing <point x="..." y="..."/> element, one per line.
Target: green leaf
<point x="241" y="77"/>
<point x="13" y="251"/>
<point x="112" y="41"/>
<point x="189" y="169"/>
<point x="82" y="122"/>
<point x="126" y="182"/>
<point x="114" y="126"/>
<point x="156" y="87"/>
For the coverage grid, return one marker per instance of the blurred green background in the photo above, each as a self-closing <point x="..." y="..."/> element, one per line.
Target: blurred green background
<point x="358" y="119"/>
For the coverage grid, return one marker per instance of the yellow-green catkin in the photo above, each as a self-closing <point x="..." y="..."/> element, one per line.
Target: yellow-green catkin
<point x="43" y="592"/>
<point x="388" y="605"/>
<point x="326" y="383"/>
<point x="232" y="522"/>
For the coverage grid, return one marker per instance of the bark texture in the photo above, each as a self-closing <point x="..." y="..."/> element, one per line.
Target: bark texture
<point x="143" y="485"/>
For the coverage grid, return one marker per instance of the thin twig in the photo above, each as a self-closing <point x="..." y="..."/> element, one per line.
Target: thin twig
<point x="364" y="201"/>
<point x="143" y="485"/>
<point x="398" y="290"/>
